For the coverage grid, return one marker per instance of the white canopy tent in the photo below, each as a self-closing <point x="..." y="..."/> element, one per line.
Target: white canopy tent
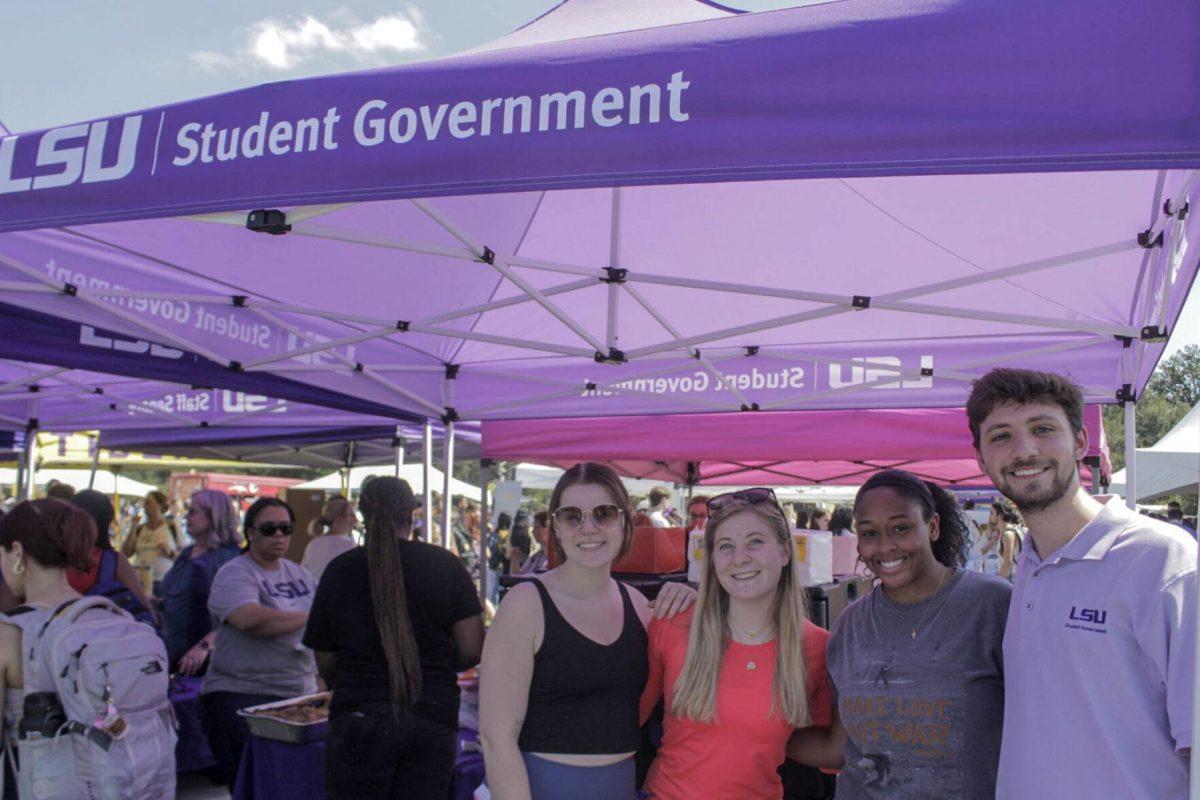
<point x="105" y="481"/>
<point x="537" y="476"/>
<point x="413" y="473"/>
<point x="1169" y="466"/>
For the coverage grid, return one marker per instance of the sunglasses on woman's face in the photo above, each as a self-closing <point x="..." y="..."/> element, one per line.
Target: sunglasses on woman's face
<point x="603" y="516"/>
<point x="275" y="529"/>
<point x="759" y="494"/>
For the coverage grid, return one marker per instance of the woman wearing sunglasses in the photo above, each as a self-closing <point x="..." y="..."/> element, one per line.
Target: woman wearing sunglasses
<point x="743" y="671"/>
<point x="565" y="661"/>
<point x="917" y="663"/>
<point x="260" y="603"/>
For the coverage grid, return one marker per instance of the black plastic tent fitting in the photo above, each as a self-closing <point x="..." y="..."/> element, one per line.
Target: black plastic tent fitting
<point x="268" y="220"/>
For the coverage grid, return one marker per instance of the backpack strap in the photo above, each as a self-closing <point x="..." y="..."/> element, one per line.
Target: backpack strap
<point x="108" y="568"/>
<point x="55" y="613"/>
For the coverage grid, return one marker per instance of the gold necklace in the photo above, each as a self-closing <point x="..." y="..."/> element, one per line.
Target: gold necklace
<point x="929" y="605"/>
<point x="739" y="630"/>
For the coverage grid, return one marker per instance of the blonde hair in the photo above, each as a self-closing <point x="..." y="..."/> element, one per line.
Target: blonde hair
<point x="695" y="694"/>
<point x="334" y="507"/>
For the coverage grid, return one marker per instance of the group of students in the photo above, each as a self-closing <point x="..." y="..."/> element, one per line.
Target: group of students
<point x="1075" y="680"/>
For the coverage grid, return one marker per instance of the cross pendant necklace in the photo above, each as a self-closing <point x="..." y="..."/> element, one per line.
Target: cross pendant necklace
<point x="929" y="605"/>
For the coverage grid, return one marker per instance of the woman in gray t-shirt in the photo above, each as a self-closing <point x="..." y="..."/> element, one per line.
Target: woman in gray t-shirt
<point x="259" y="603"/>
<point x="917" y="664"/>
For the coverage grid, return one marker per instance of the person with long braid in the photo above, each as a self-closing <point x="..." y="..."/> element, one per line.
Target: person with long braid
<point x="392" y="624"/>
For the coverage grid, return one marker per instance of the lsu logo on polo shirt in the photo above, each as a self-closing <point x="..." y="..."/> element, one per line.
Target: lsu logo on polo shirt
<point x="1087" y="619"/>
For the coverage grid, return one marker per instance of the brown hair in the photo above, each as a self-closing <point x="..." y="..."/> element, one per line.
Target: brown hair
<point x="53" y="533"/>
<point x="1021" y="386"/>
<point x="387" y="504"/>
<point x="587" y="472"/>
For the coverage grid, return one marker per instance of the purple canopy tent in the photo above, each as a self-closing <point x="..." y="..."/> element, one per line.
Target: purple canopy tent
<point x="166" y="418"/>
<point x="862" y="204"/>
<point x="813" y="213"/>
<point x="771" y="448"/>
<point x="336" y="446"/>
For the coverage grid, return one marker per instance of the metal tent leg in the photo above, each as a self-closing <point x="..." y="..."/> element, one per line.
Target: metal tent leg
<point x="427" y="488"/>
<point x="448" y="449"/>
<point x="30" y="462"/>
<point x="484" y="516"/>
<point x="1131" y="454"/>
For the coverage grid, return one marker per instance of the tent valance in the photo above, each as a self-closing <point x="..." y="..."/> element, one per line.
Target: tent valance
<point x="785" y="448"/>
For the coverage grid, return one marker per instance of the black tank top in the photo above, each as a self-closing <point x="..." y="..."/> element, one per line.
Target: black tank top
<point x="583" y="699"/>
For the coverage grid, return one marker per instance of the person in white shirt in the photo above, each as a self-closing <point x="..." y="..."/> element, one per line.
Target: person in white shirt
<point x="658" y="508"/>
<point x="332" y="535"/>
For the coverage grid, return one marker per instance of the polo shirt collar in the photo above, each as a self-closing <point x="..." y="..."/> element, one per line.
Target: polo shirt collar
<point x="1094" y="540"/>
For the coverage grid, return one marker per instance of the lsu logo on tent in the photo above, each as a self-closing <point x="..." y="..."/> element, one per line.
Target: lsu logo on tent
<point x="65" y="155"/>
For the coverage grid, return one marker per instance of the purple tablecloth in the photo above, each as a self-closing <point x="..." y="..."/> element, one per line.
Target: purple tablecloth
<point x="191" y="751"/>
<point x="272" y="769"/>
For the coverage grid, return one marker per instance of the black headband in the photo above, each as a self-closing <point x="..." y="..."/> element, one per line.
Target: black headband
<point x="900" y="480"/>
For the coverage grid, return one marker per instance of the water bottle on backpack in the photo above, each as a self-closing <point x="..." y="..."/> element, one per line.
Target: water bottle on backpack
<point x="97" y="719"/>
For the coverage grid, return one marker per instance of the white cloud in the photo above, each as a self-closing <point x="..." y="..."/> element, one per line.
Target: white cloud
<point x="283" y="44"/>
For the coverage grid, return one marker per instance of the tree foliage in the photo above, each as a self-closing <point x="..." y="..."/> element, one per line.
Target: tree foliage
<point x="1171" y="392"/>
<point x="1177" y="379"/>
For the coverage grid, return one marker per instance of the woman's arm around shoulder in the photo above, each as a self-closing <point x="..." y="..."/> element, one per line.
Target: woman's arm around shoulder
<point x="504" y="678"/>
<point x="819" y="747"/>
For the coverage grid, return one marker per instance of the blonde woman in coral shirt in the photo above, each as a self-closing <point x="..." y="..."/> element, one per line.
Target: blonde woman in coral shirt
<point x="743" y="670"/>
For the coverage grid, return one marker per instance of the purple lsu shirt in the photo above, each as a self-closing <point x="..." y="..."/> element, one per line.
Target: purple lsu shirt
<point x="1099" y="664"/>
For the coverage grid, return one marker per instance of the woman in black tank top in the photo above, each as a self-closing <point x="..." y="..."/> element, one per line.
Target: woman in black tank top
<point x="565" y="661"/>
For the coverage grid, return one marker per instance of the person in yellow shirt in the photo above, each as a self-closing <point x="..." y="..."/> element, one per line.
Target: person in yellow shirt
<point x="152" y="544"/>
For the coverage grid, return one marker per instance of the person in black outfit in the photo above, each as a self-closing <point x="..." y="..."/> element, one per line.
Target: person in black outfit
<point x="392" y="624"/>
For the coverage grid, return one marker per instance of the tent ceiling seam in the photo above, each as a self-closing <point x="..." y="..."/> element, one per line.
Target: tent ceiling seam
<point x="537" y="206"/>
<point x="912" y="229"/>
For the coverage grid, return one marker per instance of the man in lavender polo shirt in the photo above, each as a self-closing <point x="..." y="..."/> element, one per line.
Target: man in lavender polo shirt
<point x="1101" y="634"/>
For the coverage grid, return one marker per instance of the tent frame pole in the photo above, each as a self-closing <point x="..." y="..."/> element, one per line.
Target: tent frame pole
<point x="399" y="442"/>
<point x="485" y="469"/>
<point x="447" y="476"/>
<point x="95" y="444"/>
<point x="426" y="487"/>
<point x="1131" y="454"/>
<point x="31" y="447"/>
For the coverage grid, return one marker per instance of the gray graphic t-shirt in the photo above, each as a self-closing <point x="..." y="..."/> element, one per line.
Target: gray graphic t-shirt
<point x="279" y="666"/>
<point x="924" y="715"/>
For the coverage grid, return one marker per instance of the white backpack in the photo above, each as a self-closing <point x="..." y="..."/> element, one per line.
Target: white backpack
<point x="110" y="675"/>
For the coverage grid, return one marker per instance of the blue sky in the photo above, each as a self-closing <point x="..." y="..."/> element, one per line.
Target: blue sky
<point x="64" y="61"/>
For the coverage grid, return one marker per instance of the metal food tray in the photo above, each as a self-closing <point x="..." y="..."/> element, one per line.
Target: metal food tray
<point x="282" y="730"/>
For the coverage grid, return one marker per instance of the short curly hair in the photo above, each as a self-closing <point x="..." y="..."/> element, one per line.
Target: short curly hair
<point x="1021" y="386"/>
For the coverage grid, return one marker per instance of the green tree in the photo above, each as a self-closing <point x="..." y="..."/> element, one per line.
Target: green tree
<point x="1155" y="416"/>
<point x="1177" y="379"/>
<point x="1172" y="391"/>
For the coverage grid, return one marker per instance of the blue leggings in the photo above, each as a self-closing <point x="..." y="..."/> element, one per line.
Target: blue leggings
<point x="549" y="780"/>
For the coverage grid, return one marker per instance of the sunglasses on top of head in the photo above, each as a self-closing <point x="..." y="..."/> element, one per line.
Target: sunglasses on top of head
<point x="275" y="529"/>
<point x="602" y="516"/>
<point x="755" y="496"/>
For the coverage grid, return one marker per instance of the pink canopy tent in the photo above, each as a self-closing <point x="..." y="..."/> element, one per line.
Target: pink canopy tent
<point x="781" y="448"/>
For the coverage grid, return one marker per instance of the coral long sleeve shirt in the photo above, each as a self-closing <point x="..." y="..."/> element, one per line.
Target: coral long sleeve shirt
<point x="739" y="754"/>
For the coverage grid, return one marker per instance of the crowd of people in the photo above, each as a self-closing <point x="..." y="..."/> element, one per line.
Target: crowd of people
<point x="968" y="671"/>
